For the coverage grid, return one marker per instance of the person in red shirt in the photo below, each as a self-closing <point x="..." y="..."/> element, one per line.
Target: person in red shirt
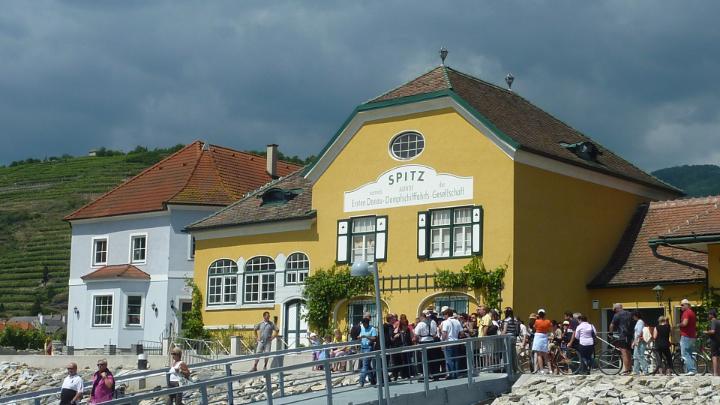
<point x="688" y="333"/>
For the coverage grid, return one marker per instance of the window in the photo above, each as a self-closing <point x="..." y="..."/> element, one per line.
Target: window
<point x="296" y="268"/>
<point x="459" y="303"/>
<point x="356" y="309"/>
<point x="191" y="247"/>
<point x="451" y="232"/>
<point x="222" y="282"/>
<point x="363" y="240"/>
<point x="260" y="280"/>
<point x="134" y="310"/>
<point x="407" y="145"/>
<point x="102" y="310"/>
<point x="100" y="250"/>
<point x="138" y="248"/>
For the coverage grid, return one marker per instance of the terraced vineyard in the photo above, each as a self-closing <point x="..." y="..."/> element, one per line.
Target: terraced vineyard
<point x="34" y="240"/>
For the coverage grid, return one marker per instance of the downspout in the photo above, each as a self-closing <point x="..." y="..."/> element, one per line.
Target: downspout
<point x="654" y="244"/>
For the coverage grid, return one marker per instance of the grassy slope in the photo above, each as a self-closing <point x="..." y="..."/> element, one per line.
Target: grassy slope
<point x="33" y="200"/>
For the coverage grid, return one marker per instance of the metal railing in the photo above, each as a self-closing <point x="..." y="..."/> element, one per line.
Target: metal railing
<point x="197" y="350"/>
<point x="472" y="356"/>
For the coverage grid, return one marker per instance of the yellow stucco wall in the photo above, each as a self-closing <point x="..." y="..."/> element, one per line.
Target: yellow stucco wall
<point x="452" y="146"/>
<point x="714" y="265"/>
<point x="565" y="232"/>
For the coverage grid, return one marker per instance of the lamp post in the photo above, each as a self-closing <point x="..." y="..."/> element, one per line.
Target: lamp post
<point x="362" y="269"/>
<point x="658" y="289"/>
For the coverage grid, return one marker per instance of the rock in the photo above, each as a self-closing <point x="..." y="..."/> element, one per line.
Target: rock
<point x="625" y="380"/>
<point x="705" y="391"/>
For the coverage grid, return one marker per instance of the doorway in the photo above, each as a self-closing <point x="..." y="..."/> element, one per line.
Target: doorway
<point x="295" y="328"/>
<point x="185" y="307"/>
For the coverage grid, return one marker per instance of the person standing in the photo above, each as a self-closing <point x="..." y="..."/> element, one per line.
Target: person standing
<point x="72" y="386"/>
<point x="713" y="334"/>
<point x="484" y="319"/>
<point x="451" y="328"/>
<point x="103" y="386"/>
<point x="584" y="336"/>
<point x="639" y="345"/>
<point x="540" y="346"/>
<point x="688" y="334"/>
<point x="266" y="332"/>
<point x="622" y="323"/>
<point x="178" y="376"/>
<point x="368" y="337"/>
<point x="425" y="332"/>
<point x="661" y="336"/>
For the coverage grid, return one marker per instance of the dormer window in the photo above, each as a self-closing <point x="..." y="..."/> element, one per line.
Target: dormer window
<point x="584" y="150"/>
<point x="278" y="196"/>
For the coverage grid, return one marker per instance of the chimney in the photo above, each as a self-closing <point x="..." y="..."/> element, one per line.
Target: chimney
<point x="271" y="160"/>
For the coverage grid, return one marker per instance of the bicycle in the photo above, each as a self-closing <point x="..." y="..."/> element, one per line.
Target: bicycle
<point x="608" y="361"/>
<point x="701" y="355"/>
<point x="566" y="360"/>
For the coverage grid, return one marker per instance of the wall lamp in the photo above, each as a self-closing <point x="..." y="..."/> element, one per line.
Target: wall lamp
<point x="154" y="308"/>
<point x="76" y="311"/>
<point x="172" y="304"/>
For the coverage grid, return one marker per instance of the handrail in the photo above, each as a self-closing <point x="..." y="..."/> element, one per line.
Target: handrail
<point x="163" y="371"/>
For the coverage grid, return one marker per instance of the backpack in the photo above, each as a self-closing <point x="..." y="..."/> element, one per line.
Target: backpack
<point x="512" y="327"/>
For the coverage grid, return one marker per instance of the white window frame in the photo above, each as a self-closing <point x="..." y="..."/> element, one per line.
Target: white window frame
<point x="449" y="229"/>
<point x="263" y="279"/>
<point x="224" y="280"/>
<point x="391" y="152"/>
<point x="133" y="237"/>
<point x="367" y="250"/>
<point x="93" y="251"/>
<point x="141" y="315"/>
<point x="296" y="273"/>
<point x="94" y="308"/>
<point x="368" y="306"/>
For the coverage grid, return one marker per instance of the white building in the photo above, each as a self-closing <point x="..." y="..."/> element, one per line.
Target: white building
<point x="130" y="258"/>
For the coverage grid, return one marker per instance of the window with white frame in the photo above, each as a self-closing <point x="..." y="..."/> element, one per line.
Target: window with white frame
<point x="102" y="310"/>
<point x="222" y="282"/>
<point x="356" y="310"/>
<point x="100" y="251"/>
<point x="296" y="268"/>
<point x="134" y="310"/>
<point x="259" y="283"/>
<point x="451" y="232"/>
<point x="191" y="247"/>
<point x="407" y="145"/>
<point x="138" y="248"/>
<point x="363" y="240"/>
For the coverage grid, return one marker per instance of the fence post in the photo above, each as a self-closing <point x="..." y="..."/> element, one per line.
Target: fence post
<point x="37" y="401"/>
<point x="469" y="361"/>
<point x="509" y="355"/>
<point x="378" y="378"/>
<point x="268" y="388"/>
<point x="228" y="372"/>
<point x="281" y="374"/>
<point x="328" y="382"/>
<point x="203" y="394"/>
<point x="426" y="371"/>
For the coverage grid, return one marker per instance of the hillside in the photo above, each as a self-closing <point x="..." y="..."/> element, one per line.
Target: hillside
<point x="34" y="240"/>
<point x="695" y="180"/>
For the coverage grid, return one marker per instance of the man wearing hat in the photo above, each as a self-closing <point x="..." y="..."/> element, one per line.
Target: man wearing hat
<point x="688" y="334"/>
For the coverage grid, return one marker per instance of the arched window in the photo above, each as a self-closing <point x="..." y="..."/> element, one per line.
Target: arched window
<point x="222" y="282"/>
<point x="296" y="268"/>
<point x="260" y="280"/>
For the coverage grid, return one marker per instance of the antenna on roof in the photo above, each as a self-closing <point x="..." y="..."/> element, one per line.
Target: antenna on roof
<point x="206" y="146"/>
<point x="509" y="79"/>
<point x="443" y="55"/>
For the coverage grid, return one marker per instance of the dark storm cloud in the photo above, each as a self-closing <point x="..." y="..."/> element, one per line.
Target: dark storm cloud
<point x="636" y="76"/>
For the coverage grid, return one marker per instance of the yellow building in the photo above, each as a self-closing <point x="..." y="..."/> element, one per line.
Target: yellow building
<point x="442" y="169"/>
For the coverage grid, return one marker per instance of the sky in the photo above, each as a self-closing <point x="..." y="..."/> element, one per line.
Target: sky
<point x="639" y="77"/>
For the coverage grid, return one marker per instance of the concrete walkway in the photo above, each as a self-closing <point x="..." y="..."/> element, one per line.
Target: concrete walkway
<point x="445" y="392"/>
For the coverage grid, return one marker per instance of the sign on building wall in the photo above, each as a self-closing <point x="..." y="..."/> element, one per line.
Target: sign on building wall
<point x="409" y="185"/>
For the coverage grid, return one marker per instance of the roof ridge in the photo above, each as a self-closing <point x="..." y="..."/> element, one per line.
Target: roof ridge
<point x="685" y="201"/>
<point x="406" y="83"/>
<point x="471" y="77"/>
<point x="142" y="173"/>
<point x="445" y="75"/>
<point x="244" y="152"/>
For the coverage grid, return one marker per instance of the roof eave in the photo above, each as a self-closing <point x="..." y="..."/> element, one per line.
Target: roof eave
<point x="646" y="283"/>
<point x="189" y="229"/>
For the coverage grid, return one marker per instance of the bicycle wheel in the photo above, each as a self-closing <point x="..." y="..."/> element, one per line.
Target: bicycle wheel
<point x="678" y="363"/>
<point x="701" y="363"/>
<point x="653" y="361"/>
<point x="609" y="362"/>
<point x="568" y="362"/>
<point x="524" y="362"/>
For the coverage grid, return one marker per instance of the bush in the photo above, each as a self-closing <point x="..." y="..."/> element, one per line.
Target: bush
<point x="22" y="339"/>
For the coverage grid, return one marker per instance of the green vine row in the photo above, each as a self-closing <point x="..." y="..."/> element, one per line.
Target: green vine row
<point x="474" y="275"/>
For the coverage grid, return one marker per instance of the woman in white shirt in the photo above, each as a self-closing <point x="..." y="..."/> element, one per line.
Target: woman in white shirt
<point x="179" y="374"/>
<point x="585" y="334"/>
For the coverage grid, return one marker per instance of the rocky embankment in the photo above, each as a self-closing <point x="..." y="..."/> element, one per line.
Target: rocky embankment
<point x="605" y="390"/>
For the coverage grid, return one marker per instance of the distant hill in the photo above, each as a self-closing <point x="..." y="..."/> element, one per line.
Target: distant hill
<point x="695" y="180"/>
<point x="34" y="241"/>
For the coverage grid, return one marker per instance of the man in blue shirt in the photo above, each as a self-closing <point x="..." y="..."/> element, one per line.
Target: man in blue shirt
<point x="368" y="337"/>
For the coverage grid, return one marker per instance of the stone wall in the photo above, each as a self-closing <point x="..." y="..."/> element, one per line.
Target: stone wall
<point x="604" y="390"/>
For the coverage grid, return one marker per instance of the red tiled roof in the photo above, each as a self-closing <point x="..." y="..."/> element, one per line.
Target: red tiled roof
<point x="117" y="271"/>
<point x="16" y="324"/>
<point x="634" y="261"/>
<point x="196" y="175"/>
<point x="532" y="128"/>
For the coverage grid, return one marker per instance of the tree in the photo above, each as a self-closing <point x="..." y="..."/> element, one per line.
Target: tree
<point x="46" y="275"/>
<point x="36" y="306"/>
